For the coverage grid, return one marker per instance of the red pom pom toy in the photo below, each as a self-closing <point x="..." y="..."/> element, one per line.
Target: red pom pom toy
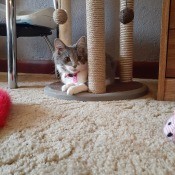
<point x="5" y="104"/>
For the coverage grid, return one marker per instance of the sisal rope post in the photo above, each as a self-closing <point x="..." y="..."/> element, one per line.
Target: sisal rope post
<point x="65" y="30"/>
<point x="126" y="46"/>
<point x="96" y="45"/>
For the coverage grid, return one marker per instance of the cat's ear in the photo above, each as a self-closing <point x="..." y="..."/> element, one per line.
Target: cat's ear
<point x="59" y="45"/>
<point x="81" y="46"/>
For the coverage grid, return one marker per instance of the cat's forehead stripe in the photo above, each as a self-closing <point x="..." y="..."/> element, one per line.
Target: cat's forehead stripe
<point x="69" y="51"/>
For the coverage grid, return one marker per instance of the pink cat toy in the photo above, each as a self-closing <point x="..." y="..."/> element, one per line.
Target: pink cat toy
<point x="169" y="128"/>
<point x="5" y="105"/>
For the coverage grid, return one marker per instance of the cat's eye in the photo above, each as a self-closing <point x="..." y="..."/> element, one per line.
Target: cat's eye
<point x="79" y="58"/>
<point x="169" y="123"/>
<point x="67" y="59"/>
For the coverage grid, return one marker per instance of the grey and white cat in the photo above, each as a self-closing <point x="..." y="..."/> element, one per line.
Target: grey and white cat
<point x="71" y="63"/>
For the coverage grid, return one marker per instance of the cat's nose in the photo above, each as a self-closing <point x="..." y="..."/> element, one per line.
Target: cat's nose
<point x="169" y="134"/>
<point x="74" y="66"/>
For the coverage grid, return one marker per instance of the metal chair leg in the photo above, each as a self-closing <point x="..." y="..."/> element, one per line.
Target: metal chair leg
<point x="56" y="5"/>
<point x="51" y="48"/>
<point x="11" y="43"/>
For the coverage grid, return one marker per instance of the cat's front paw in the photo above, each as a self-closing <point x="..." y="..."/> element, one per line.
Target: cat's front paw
<point x="64" y="88"/>
<point x="71" y="90"/>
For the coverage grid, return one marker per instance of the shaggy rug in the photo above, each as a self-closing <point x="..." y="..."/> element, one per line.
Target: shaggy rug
<point x="47" y="136"/>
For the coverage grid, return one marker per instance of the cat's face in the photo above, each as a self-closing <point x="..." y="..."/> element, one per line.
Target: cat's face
<point x="70" y="59"/>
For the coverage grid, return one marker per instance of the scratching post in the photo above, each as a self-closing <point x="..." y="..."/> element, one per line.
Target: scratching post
<point x="126" y="46"/>
<point x="96" y="45"/>
<point x="119" y="90"/>
<point x="65" y="31"/>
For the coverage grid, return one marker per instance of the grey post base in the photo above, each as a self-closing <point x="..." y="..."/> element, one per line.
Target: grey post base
<point x="117" y="91"/>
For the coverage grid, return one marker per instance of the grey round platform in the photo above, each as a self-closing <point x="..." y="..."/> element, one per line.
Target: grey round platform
<point x="117" y="91"/>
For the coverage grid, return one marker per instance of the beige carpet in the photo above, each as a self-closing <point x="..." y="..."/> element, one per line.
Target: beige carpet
<point x="47" y="136"/>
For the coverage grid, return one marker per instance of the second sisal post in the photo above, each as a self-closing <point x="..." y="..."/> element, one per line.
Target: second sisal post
<point x="96" y="45"/>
